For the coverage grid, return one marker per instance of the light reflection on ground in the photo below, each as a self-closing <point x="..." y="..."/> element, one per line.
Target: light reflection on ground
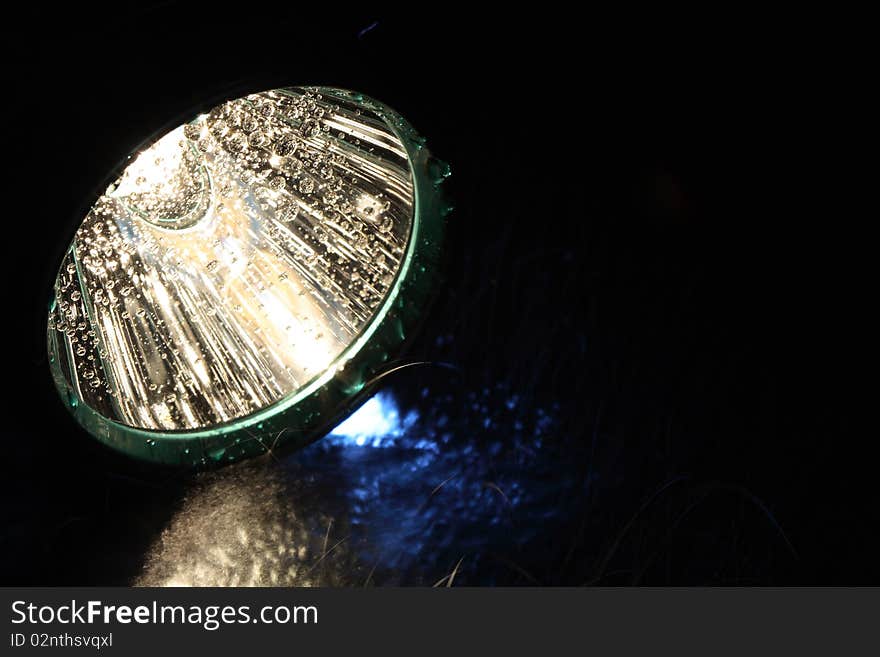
<point x="391" y="496"/>
<point x="377" y="423"/>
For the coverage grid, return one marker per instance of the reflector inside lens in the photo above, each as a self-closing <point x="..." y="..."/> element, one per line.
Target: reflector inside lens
<point x="233" y="261"/>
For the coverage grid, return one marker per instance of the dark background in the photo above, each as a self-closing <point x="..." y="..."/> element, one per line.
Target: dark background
<point x="613" y="256"/>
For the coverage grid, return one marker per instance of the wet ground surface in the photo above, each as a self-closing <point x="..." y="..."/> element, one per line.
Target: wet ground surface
<point x="437" y="484"/>
<point x="392" y="495"/>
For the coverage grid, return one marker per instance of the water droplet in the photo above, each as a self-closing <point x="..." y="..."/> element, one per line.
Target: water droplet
<point x="247" y="123"/>
<point x="310" y="128"/>
<point x="258" y="139"/>
<point x="285" y="146"/>
<point x="192" y="131"/>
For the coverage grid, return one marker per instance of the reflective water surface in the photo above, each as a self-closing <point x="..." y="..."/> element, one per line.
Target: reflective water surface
<point x="392" y="495"/>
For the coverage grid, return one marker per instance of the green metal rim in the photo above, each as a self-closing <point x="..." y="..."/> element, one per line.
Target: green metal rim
<point x="306" y="414"/>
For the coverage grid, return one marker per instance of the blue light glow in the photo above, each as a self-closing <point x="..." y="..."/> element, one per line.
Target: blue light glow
<point x="461" y="470"/>
<point x="377" y="423"/>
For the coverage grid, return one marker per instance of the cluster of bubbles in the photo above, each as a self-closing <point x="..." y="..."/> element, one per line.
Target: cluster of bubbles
<point x="309" y="184"/>
<point x="232" y="260"/>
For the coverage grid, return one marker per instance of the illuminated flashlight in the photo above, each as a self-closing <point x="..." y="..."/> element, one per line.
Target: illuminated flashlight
<point x="245" y="275"/>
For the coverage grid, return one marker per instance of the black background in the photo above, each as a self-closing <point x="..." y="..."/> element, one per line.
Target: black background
<point x="613" y="250"/>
